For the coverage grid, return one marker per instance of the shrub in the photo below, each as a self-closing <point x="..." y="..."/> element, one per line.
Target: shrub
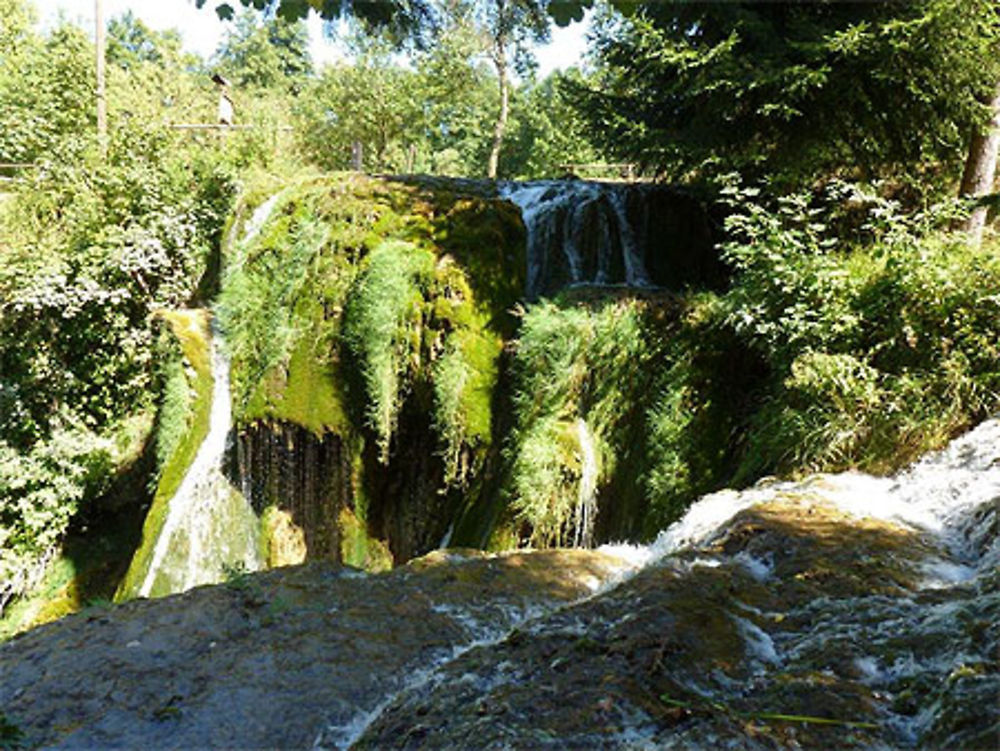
<point x="877" y="350"/>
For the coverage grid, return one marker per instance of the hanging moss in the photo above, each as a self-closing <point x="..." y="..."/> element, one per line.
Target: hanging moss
<point x="660" y="388"/>
<point x="382" y="331"/>
<point x="362" y="302"/>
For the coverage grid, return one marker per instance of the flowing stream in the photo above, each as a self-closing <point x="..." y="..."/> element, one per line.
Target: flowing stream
<point x="210" y="530"/>
<point x="916" y="636"/>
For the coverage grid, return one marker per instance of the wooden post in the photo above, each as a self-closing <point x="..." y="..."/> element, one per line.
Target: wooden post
<point x="102" y="105"/>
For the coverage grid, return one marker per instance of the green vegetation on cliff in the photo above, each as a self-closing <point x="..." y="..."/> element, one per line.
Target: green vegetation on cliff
<point x="823" y="354"/>
<point x="364" y="308"/>
<point x="379" y="312"/>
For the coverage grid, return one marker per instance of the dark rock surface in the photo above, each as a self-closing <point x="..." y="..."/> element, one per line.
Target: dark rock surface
<point x="272" y="660"/>
<point x="793" y="625"/>
<point x="798" y="627"/>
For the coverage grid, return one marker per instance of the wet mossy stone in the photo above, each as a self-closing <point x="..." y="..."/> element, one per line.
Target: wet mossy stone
<point x="286" y="289"/>
<point x="360" y="300"/>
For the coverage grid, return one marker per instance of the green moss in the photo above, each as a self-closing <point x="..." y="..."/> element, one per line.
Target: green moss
<point x="308" y="392"/>
<point x="282" y="543"/>
<point x="358" y="548"/>
<point x="361" y="297"/>
<point x="382" y="325"/>
<point x="191" y="330"/>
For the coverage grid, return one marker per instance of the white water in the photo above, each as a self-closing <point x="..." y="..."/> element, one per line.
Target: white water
<point x="194" y="546"/>
<point x="554" y="215"/>
<point x="950" y="496"/>
<point x="586" y="505"/>
<point x="482" y="632"/>
<point x="260" y="215"/>
<point x="210" y="528"/>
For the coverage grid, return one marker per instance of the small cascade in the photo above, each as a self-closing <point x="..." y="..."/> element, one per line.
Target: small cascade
<point x="580" y="233"/>
<point x="259" y="216"/>
<point x="635" y="270"/>
<point x="951" y="496"/>
<point x="286" y="467"/>
<point x="841" y="611"/>
<point x="619" y="235"/>
<point x="209" y="528"/>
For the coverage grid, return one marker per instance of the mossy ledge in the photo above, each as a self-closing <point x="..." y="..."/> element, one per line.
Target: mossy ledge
<point x="366" y="321"/>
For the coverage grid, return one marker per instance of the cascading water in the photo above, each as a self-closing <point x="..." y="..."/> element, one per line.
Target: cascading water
<point x="209" y="527"/>
<point x="861" y="611"/>
<point x="580" y="233"/>
<point x="586" y="507"/>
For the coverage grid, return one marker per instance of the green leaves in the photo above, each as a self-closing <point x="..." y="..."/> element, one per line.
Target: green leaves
<point x="874" y="353"/>
<point x="793" y="90"/>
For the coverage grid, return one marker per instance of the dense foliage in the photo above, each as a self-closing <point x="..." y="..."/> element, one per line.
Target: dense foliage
<point x="833" y="348"/>
<point x="794" y="90"/>
<point x="436" y="115"/>
<point x="93" y="245"/>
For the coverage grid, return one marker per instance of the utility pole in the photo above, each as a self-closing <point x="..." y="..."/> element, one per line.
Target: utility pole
<point x="102" y="104"/>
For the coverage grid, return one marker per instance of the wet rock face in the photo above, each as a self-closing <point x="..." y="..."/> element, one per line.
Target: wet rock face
<point x="277" y="659"/>
<point x="797" y="627"/>
<point x="792" y="625"/>
<point x="285" y="465"/>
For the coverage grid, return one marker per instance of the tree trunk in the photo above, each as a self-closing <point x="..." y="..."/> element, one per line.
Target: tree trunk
<point x="980" y="169"/>
<point x="500" y="61"/>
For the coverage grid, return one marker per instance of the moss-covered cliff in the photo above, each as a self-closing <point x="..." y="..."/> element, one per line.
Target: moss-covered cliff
<point x="366" y="321"/>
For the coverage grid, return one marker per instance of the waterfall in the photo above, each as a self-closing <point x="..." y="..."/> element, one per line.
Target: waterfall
<point x="209" y="527"/>
<point x="259" y="216"/>
<point x="580" y="233"/>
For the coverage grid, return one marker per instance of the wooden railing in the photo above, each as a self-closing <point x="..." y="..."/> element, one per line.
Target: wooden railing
<point x="623" y="170"/>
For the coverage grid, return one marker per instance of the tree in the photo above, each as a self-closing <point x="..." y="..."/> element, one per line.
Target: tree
<point x="371" y="101"/>
<point x="46" y="95"/>
<point x="458" y="92"/>
<point x="400" y="17"/>
<point x="980" y="167"/>
<point x="505" y="30"/>
<point x="548" y="133"/>
<point x="794" y="90"/>
<point x="265" y="52"/>
<point x="509" y="26"/>
<point x="131" y="43"/>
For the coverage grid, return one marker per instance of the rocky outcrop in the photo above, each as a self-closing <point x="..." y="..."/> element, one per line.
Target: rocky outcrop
<point x="834" y="613"/>
<point x="273" y="660"/>
<point x="797" y="628"/>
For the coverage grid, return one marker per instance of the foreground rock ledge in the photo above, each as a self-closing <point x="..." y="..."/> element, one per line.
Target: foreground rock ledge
<point x="793" y="625"/>
<point x="273" y="659"/>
